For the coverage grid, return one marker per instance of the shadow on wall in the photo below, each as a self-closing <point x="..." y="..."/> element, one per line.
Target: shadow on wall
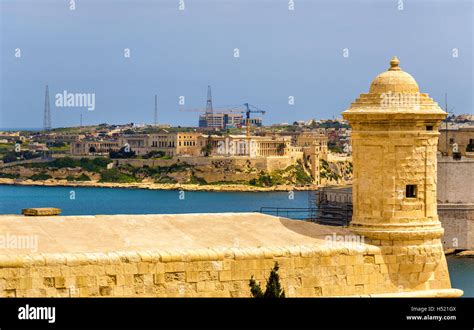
<point x="313" y="230"/>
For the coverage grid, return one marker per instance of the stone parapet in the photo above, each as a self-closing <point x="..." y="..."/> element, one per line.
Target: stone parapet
<point x="340" y="269"/>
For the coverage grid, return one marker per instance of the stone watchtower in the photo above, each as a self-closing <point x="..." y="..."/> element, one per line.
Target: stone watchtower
<point x="394" y="144"/>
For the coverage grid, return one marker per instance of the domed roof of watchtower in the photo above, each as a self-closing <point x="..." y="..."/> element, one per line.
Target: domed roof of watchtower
<point x="394" y="80"/>
<point x="394" y="91"/>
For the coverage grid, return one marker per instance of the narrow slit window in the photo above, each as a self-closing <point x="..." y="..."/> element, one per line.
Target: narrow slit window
<point x="410" y="191"/>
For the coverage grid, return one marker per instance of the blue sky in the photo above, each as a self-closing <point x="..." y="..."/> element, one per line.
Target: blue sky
<point x="178" y="53"/>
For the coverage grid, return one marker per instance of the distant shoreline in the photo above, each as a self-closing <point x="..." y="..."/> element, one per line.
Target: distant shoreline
<point x="157" y="186"/>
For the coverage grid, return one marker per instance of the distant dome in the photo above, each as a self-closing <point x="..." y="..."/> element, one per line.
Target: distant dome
<point x="394" y="80"/>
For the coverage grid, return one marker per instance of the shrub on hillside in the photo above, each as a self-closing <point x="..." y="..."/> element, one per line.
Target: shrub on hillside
<point x="63" y="162"/>
<point x="40" y="177"/>
<point x="94" y="165"/>
<point x="301" y="176"/>
<point x="122" y="153"/>
<point x="154" y="154"/>
<point x="9" y="175"/>
<point x="10" y="157"/>
<point x="101" y="162"/>
<point x="81" y="177"/>
<point x="114" y="175"/>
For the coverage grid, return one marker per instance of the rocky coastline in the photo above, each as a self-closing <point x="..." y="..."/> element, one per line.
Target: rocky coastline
<point x="156" y="186"/>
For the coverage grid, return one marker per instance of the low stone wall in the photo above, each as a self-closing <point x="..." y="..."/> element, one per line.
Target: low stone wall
<point x="458" y="224"/>
<point x="305" y="272"/>
<point x="26" y="161"/>
<point x="209" y="255"/>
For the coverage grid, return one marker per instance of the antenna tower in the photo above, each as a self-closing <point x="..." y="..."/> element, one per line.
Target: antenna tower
<point x="155" y="120"/>
<point x="209" y="101"/>
<point x="47" y="111"/>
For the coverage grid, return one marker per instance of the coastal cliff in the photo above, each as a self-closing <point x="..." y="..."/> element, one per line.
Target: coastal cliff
<point x="212" y="175"/>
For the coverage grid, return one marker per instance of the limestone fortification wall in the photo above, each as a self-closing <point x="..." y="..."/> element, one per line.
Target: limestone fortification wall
<point x="260" y="163"/>
<point x="458" y="224"/>
<point x="305" y="272"/>
<point x="221" y="169"/>
<point x="211" y="255"/>
<point x="456" y="198"/>
<point x="455" y="184"/>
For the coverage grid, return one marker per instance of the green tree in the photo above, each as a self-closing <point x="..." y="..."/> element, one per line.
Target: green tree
<point x="255" y="289"/>
<point x="207" y="149"/>
<point x="470" y="146"/>
<point x="122" y="153"/>
<point x="10" y="157"/>
<point x="63" y="162"/>
<point x="115" y="175"/>
<point x="273" y="288"/>
<point x="101" y="161"/>
<point x="281" y="149"/>
<point x="154" y="154"/>
<point x="40" y="177"/>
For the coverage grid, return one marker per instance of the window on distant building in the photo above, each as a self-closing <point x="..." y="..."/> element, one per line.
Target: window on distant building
<point x="470" y="146"/>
